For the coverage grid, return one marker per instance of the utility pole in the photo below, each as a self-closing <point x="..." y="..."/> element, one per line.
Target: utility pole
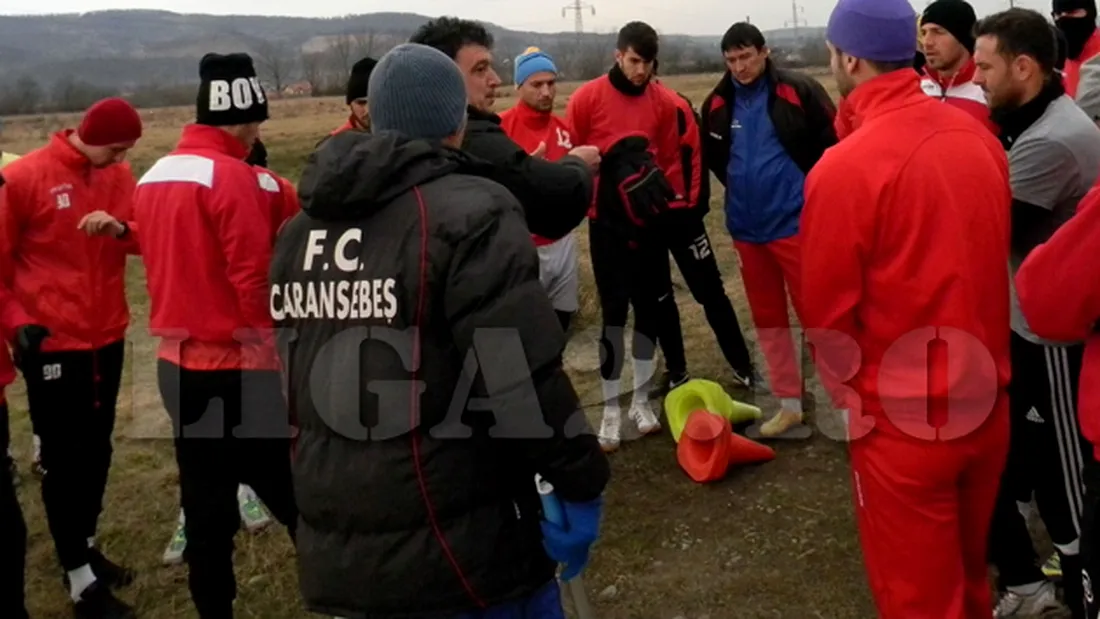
<point x="578" y="9"/>
<point x="796" y="18"/>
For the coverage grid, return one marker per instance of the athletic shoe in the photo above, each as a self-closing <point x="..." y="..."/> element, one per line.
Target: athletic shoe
<point x="783" y="421"/>
<point x="173" y="554"/>
<point x="668" y="382"/>
<point x="1052" y="569"/>
<point x="641" y="413"/>
<point x="97" y="602"/>
<point x="108" y="572"/>
<point x="253" y="513"/>
<point x="1014" y="604"/>
<point x="611" y="429"/>
<point x="742" y="379"/>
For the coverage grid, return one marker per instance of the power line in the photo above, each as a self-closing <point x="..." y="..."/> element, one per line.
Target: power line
<point x="578" y="9"/>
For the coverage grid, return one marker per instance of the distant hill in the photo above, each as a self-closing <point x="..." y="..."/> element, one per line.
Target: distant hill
<point x="119" y="49"/>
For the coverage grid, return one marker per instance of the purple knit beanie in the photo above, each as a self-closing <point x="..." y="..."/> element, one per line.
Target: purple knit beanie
<point x="878" y="30"/>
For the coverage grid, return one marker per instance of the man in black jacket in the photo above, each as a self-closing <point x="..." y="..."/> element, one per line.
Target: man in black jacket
<point x="764" y="128"/>
<point x="424" y="369"/>
<point x="555" y="195"/>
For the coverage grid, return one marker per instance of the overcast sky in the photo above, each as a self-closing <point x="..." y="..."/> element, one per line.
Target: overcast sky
<point x="693" y="17"/>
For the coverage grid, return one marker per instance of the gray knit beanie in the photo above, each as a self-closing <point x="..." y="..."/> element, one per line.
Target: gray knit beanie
<point x="417" y="91"/>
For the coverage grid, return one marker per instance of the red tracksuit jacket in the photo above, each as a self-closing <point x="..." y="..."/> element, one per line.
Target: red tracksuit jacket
<point x="282" y="198"/>
<point x="911" y="242"/>
<point x="207" y="230"/>
<point x="601" y="115"/>
<point x="528" y="128"/>
<point x="1059" y="290"/>
<point x="961" y="92"/>
<point x="54" y="274"/>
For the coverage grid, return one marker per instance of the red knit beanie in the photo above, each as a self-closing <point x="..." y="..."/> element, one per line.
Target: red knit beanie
<point x="110" y="121"/>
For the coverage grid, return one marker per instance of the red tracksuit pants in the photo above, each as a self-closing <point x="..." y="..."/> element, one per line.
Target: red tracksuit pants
<point x="923" y="509"/>
<point x="771" y="271"/>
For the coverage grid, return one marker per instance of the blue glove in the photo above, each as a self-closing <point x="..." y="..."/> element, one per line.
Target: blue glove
<point x="569" y="544"/>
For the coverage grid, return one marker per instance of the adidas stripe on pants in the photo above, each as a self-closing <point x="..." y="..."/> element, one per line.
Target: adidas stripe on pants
<point x="1046" y="460"/>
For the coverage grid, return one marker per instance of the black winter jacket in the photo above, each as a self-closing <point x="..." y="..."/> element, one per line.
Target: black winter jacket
<point x="409" y="291"/>
<point x="801" y="111"/>
<point x="555" y="195"/>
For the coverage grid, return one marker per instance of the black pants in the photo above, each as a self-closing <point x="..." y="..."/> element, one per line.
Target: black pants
<point x="1046" y="457"/>
<point x="564" y="319"/>
<point x="13" y="545"/>
<point x="230" y="428"/>
<point x="72" y="397"/>
<point x="694" y="255"/>
<point x="635" y="274"/>
<point x="5" y="436"/>
<point x="1090" y="542"/>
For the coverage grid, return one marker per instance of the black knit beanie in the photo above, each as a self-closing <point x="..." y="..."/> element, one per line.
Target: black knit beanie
<point x="359" y="79"/>
<point x="230" y="93"/>
<point x="954" y="16"/>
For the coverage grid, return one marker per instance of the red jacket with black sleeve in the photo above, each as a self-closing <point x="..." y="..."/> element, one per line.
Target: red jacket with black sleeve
<point x="207" y="230"/>
<point x="1058" y="285"/>
<point x="528" y="128"/>
<point x="51" y="272"/>
<point x="695" y="186"/>
<point x="282" y="197"/>
<point x="609" y="108"/>
<point x="800" y="109"/>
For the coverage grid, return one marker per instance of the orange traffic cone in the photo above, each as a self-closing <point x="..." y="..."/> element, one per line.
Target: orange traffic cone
<point x="708" y="447"/>
<point x="747" y="451"/>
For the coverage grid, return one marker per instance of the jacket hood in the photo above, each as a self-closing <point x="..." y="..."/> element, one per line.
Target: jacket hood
<point x="354" y="173"/>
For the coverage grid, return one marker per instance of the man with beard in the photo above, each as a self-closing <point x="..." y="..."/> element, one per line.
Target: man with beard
<point x="629" y="260"/>
<point x="1054" y="156"/>
<point x="532" y="124"/>
<point x="356" y="96"/>
<point x="948" y="40"/>
<point x="899" y="240"/>
<point x="1076" y="19"/>
<point x="416" y="261"/>
<point x="555" y="194"/>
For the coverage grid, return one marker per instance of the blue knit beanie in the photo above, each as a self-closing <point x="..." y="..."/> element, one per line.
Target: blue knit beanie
<point x="417" y="91"/>
<point x="878" y="30"/>
<point x="533" y="60"/>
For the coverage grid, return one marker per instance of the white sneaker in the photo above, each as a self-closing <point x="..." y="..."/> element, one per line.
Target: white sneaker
<point x="641" y="413"/>
<point x="253" y="513"/>
<point x="173" y="554"/>
<point x="611" y="429"/>
<point x="1014" y="604"/>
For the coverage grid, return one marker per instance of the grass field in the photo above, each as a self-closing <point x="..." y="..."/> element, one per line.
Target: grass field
<point x="774" y="541"/>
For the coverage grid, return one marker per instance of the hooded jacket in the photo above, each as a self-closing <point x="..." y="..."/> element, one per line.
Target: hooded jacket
<point x="409" y="244"/>
<point x="555" y="196"/>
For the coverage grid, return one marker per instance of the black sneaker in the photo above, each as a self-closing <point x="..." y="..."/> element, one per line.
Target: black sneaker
<point x="108" y="572"/>
<point x="97" y="602"/>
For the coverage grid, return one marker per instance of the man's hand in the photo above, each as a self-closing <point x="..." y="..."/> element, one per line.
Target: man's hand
<point x="588" y="154"/>
<point x="539" y="152"/>
<point x="28" y="342"/>
<point x="101" y="223"/>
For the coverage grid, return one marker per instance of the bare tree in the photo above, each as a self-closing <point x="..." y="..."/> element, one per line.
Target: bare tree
<point x="341" y="58"/>
<point x="275" y="62"/>
<point x="364" y="45"/>
<point x="313" y="71"/>
<point x="24" y="97"/>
